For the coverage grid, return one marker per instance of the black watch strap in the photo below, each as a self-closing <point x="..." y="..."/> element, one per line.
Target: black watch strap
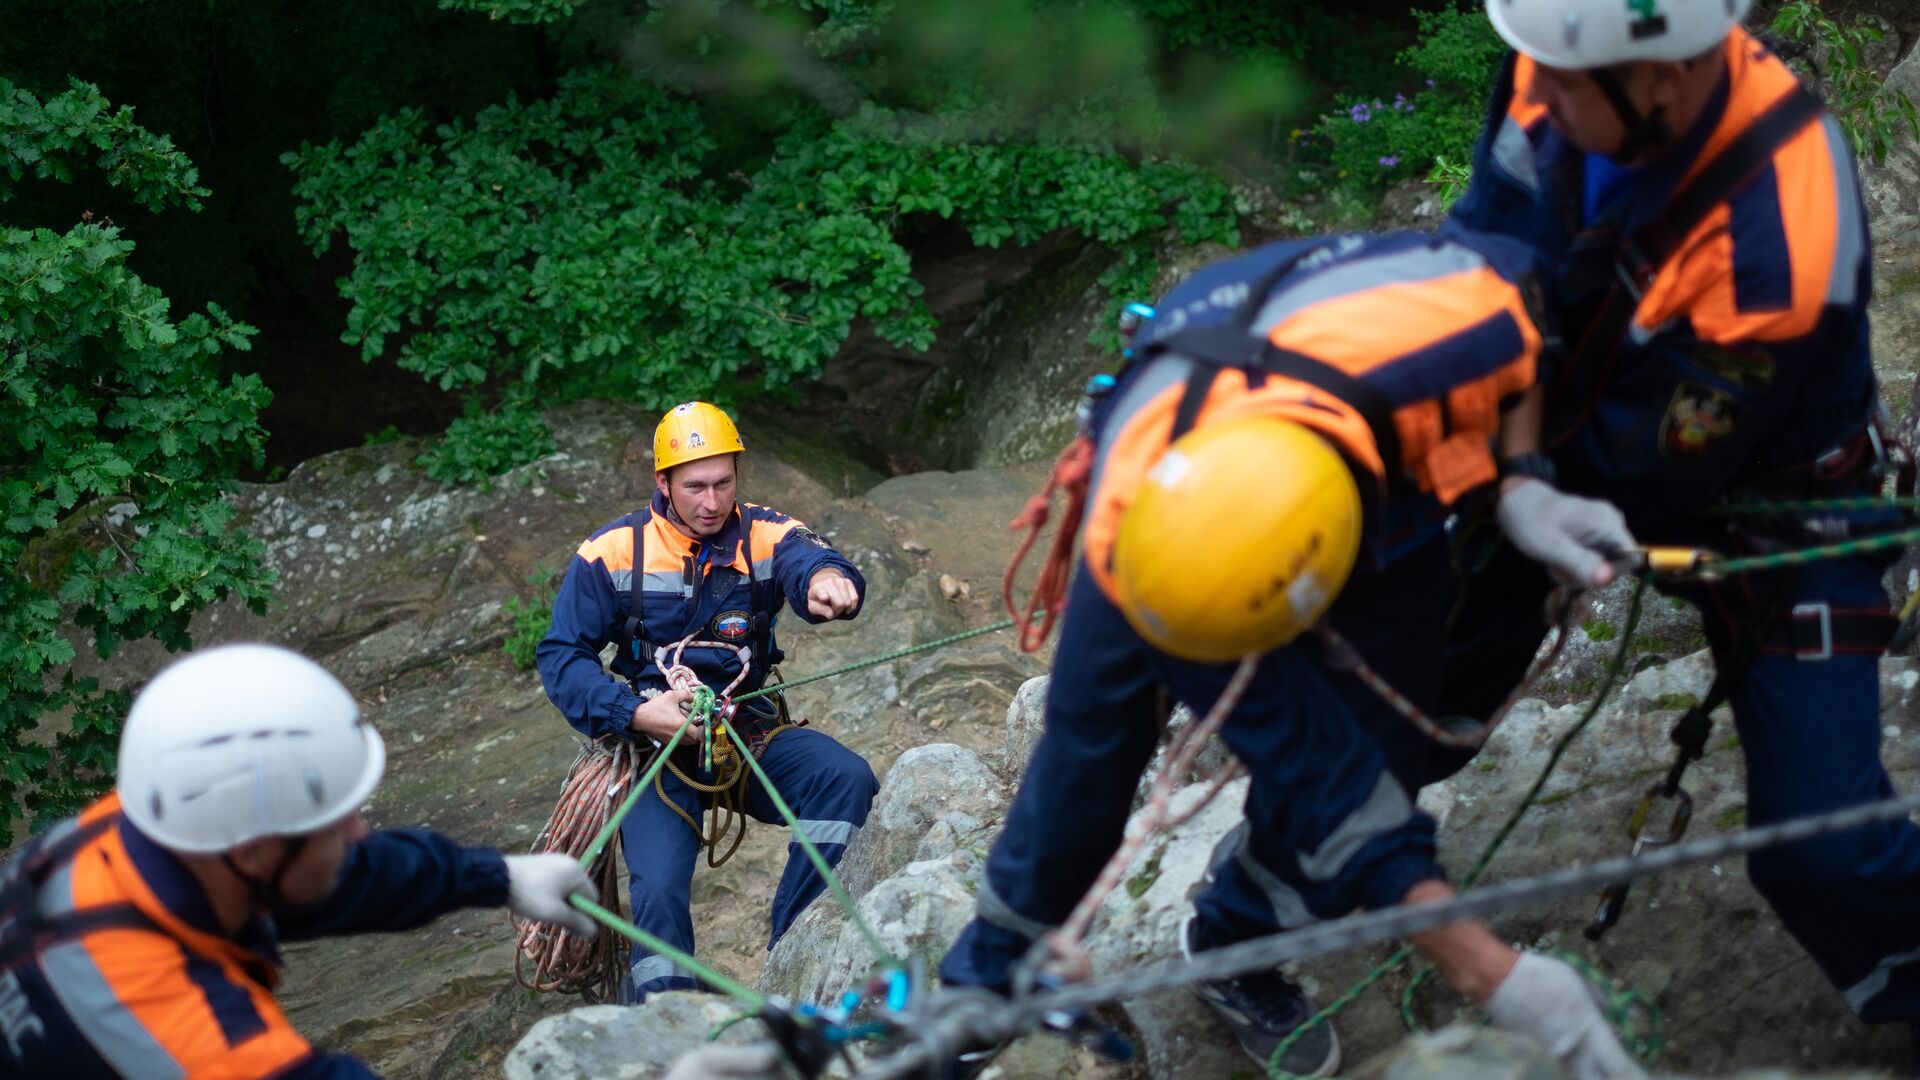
<point x="1536" y="464"/>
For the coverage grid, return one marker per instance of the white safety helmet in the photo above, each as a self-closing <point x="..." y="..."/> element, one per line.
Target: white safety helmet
<point x="1585" y="34"/>
<point x="244" y="741"/>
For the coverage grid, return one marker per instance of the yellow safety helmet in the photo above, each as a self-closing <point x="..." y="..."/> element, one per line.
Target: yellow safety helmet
<point x="693" y="431"/>
<point x="1238" y="540"/>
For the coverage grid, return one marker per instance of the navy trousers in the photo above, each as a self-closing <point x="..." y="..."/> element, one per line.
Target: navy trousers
<point x="830" y="789"/>
<point x="1810" y="730"/>
<point x="1330" y="822"/>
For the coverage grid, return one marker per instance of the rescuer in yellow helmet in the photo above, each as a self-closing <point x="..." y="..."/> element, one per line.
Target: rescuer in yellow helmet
<point x="698" y="565"/>
<point x="1282" y="453"/>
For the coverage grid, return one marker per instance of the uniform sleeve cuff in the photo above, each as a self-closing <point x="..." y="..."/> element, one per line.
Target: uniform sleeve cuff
<point x="623" y="706"/>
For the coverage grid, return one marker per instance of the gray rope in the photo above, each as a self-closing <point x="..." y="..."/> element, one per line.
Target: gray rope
<point x="941" y="1033"/>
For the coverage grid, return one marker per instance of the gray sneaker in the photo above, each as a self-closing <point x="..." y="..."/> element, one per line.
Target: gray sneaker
<point x="1262" y="1009"/>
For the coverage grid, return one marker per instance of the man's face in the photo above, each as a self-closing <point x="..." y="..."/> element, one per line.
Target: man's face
<point x="1577" y="107"/>
<point x="312" y="875"/>
<point x="701" y="492"/>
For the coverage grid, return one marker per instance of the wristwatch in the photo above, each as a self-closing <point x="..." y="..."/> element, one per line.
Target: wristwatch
<point x="1536" y="464"/>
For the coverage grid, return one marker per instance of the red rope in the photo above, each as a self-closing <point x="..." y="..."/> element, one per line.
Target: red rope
<point x="1071" y="472"/>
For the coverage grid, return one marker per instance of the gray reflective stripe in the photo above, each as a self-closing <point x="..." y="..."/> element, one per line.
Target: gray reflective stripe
<point x="763" y="569"/>
<point x="622" y="579"/>
<point x="648" y="968"/>
<point x="992" y="909"/>
<point x="1850" y="246"/>
<point x="1419" y="264"/>
<point x="830" y="832"/>
<point x="1513" y="152"/>
<point x="672" y="581"/>
<point x="1289" y="907"/>
<point x="1869" y="988"/>
<point x="1161" y="373"/>
<point x="1640" y="335"/>
<point x="1386" y="808"/>
<point x="97" y="1012"/>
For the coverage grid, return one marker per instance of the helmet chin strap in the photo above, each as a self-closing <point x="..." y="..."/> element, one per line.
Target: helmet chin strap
<point x="1643" y="132"/>
<point x="266" y="893"/>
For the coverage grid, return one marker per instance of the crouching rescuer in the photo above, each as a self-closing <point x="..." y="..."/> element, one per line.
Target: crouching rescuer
<point x="1281" y="454"/>
<point x="141" y="939"/>
<point x="687" y="589"/>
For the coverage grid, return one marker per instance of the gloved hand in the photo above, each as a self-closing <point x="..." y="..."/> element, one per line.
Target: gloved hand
<point x="1549" y="1001"/>
<point x="1571" y="535"/>
<point x="538" y="887"/>
<point x="760" y="1062"/>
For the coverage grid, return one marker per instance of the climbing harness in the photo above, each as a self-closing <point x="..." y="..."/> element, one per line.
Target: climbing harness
<point x="725" y="796"/>
<point x="549" y="958"/>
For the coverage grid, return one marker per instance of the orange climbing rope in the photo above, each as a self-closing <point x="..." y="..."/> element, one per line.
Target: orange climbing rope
<point x="1071" y="472"/>
<point x="549" y="957"/>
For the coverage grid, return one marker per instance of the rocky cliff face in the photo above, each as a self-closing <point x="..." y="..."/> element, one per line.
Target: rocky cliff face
<point x="401" y="588"/>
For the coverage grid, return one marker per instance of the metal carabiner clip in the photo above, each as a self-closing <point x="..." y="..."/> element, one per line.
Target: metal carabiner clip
<point x="1613" y="898"/>
<point x="1671" y="562"/>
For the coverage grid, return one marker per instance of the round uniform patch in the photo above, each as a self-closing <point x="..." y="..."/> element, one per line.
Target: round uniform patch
<point x="732" y="625"/>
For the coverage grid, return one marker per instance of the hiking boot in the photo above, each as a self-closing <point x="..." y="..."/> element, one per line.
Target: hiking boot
<point x="1262" y="1009"/>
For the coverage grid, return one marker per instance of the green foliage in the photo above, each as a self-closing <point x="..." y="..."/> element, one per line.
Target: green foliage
<point x="484" y="443"/>
<point x="533" y="12"/>
<point x="595" y="243"/>
<point x="77" y="130"/>
<point x="1599" y="630"/>
<point x="1371" y="142"/>
<point x="121" y="439"/>
<point x="1872" y="113"/>
<point x="1451" y="177"/>
<point x="529" y="620"/>
<point x="1676" y="700"/>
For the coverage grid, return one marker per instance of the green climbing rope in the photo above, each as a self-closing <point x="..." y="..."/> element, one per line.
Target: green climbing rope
<point x="700" y="711"/>
<point x="745" y="996"/>
<point x="646" y="780"/>
<point x="1614" y="670"/>
<point x="1802" y="556"/>
<point x="819" y="861"/>
<point x="875" y="661"/>
<point x="1811" y="506"/>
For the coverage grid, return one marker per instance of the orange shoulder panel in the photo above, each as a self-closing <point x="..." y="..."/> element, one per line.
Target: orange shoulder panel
<point x="1521" y="108"/>
<point x="1698" y="282"/>
<point x="613" y="548"/>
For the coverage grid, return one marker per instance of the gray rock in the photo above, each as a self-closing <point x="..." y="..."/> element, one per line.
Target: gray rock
<point x="1139" y="923"/>
<point x="615" y="1042"/>
<point x="1026" y="718"/>
<point x="915" y="913"/>
<point x="924" y="785"/>
<point x="1461" y="1052"/>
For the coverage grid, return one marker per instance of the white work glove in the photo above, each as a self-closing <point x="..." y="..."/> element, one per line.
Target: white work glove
<point x="1571" y="535"/>
<point x="1549" y="1001"/>
<point x="761" y="1062"/>
<point x="538" y="887"/>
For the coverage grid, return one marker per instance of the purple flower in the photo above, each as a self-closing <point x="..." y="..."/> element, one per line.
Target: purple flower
<point x="1401" y="103"/>
<point x="1389" y="161"/>
<point x="1360" y="112"/>
<point x="1431" y="84"/>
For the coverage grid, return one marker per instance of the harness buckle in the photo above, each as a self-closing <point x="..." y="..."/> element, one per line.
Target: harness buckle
<point x="1822" y="611"/>
<point x="1634" y="270"/>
